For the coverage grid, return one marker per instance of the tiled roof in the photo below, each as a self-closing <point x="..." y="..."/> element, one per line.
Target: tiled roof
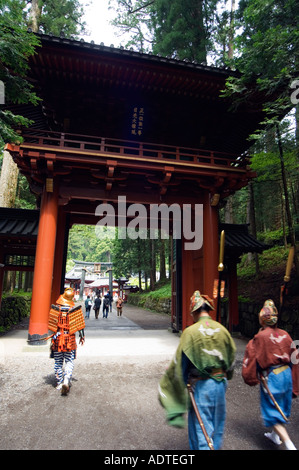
<point x="24" y="223"/>
<point x="238" y="240"/>
<point x="18" y="222"/>
<point x="120" y="51"/>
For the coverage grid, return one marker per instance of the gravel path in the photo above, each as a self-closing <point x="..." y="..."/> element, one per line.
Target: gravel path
<point x="112" y="404"/>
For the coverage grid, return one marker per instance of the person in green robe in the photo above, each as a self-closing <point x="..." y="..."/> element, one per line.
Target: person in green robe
<point x="205" y="360"/>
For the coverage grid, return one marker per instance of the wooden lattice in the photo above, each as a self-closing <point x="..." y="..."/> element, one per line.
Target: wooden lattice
<point x="76" y="320"/>
<point x="53" y="318"/>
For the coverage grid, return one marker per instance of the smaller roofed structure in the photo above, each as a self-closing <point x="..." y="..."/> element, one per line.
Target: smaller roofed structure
<point x="239" y="241"/>
<point x="93" y="271"/>
<point x="18" y="233"/>
<point x="86" y="276"/>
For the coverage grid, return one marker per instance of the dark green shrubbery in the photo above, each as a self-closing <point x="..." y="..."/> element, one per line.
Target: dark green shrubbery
<point x="13" y="309"/>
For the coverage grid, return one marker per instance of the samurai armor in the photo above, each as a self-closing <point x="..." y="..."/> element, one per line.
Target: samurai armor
<point x="76" y="320"/>
<point x="65" y="322"/>
<point x="53" y="318"/>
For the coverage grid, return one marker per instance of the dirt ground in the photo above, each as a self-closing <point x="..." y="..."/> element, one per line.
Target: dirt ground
<point x="112" y="404"/>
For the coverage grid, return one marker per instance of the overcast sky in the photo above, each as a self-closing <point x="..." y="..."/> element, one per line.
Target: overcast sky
<point x="97" y="17"/>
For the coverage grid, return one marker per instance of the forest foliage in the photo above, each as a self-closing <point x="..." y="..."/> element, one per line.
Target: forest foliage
<point x="17" y="45"/>
<point x="259" y="38"/>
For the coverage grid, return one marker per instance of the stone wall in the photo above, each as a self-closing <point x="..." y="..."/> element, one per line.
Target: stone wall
<point x="161" y="305"/>
<point x="249" y="324"/>
<point x="248" y="314"/>
<point x="290" y="321"/>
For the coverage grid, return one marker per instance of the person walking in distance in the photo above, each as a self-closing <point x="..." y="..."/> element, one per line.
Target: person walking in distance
<point x="97" y="305"/>
<point x="110" y="297"/>
<point x="271" y="360"/>
<point x="119" y="306"/>
<point x="87" y="306"/>
<point x="106" y="302"/>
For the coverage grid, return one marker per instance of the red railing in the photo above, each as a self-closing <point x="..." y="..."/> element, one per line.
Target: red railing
<point x="114" y="147"/>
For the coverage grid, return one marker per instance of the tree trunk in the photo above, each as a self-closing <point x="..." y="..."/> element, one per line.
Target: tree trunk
<point x="162" y="258"/>
<point x="201" y="45"/>
<point x="252" y="222"/>
<point x="286" y="196"/>
<point x="283" y="216"/>
<point x="231" y="30"/>
<point x="145" y="281"/>
<point x="228" y="211"/>
<point x="297" y="153"/>
<point x="297" y="130"/>
<point x="9" y="174"/>
<point x="8" y="181"/>
<point x="153" y="264"/>
<point x="35" y="13"/>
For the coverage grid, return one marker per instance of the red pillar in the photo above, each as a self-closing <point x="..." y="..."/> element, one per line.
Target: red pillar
<point x="200" y="267"/>
<point x="58" y="257"/>
<point x="43" y="268"/>
<point x="210" y="247"/>
<point x="187" y="286"/>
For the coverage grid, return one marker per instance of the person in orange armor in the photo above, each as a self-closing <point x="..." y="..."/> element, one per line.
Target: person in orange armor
<point x="65" y="320"/>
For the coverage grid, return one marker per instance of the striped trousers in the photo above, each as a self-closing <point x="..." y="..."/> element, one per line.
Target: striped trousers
<point x="68" y="359"/>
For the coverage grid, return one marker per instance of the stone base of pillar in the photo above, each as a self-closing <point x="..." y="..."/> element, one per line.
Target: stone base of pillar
<point x="37" y="340"/>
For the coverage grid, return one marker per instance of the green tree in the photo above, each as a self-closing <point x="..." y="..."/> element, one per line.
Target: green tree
<point x="223" y="34"/>
<point x="269" y="184"/>
<point x="133" y="18"/>
<point x="133" y="257"/>
<point x="56" y="17"/>
<point x="17" y="45"/>
<point x="268" y="49"/>
<point x="85" y="245"/>
<point x="183" y="29"/>
<point x="267" y="55"/>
